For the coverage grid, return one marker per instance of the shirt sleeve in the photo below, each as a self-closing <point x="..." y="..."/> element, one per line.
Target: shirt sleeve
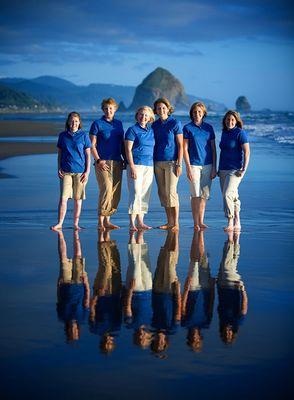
<point x="130" y="135"/>
<point x="186" y="132"/>
<point x="212" y="134"/>
<point x="178" y="130"/>
<point x="59" y="142"/>
<point x="243" y="137"/>
<point x="94" y="129"/>
<point x="88" y="143"/>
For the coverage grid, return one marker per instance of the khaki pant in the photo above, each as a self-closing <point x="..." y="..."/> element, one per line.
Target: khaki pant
<point x="109" y="183"/>
<point x="72" y="187"/>
<point x="72" y="270"/>
<point x="165" y="274"/>
<point x="167" y="182"/>
<point x="229" y="183"/>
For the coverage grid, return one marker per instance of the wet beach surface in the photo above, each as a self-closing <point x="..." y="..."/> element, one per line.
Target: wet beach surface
<point x="38" y="356"/>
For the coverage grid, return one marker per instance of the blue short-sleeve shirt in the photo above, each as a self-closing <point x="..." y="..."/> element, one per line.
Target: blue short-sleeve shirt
<point x="110" y="137"/>
<point x="143" y="146"/>
<point x="73" y="148"/>
<point x="199" y="145"/>
<point x="231" y="155"/>
<point x="165" y="132"/>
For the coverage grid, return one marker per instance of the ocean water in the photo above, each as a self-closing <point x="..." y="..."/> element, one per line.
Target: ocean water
<point x="240" y="296"/>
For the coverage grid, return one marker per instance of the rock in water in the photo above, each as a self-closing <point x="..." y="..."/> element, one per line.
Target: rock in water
<point x="122" y="107"/>
<point x="160" y="83"/>
<point x="242" y="104"/>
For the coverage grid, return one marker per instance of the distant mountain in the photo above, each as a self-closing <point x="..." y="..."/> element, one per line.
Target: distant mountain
<point x="12" y="99"/>
<point x="160" y="83"/>
<point x="62" y="93"/>
<point x="242" y="104"/>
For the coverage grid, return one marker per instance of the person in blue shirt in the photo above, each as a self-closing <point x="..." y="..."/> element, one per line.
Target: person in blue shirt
<point x="107" y="137"/>
<point x="168" y="155"/>
<point x="74" y="157"/>
<point x="200" y="159"/>
<point x="73" y="290"/>
<point x="139" y="146"/>
<point x="233" y="163"/>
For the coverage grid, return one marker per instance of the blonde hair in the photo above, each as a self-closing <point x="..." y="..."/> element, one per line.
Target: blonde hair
<point x="109" y="102"/>
<point x="200" y="105"/>
<point x="70" y="116"/>
<point x="236" y="115"/>
<point x="150" y="111"/>
<point x="166" y="102"/>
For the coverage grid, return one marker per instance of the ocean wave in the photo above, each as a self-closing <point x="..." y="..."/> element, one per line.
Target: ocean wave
<point x="278" y="133"/>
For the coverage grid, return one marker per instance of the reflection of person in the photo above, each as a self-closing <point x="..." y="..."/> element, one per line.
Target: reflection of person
<point x="105" y="306"/>
<point x="198" y="296"/>
<point x="73" y="167"/>
<point x="200" y="159"/>
<point x="233" y="163"/>
<point x="73" y="291"/>
<point x="139" y="144"/>
<point x="168" y="155"/>
<point x="232" y="296"/>
<point x="166" y="294"/>
<point x="137" y="301"/>
<point x="107" y="137"/>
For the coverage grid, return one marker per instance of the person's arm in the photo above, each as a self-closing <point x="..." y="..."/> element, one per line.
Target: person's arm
<point x="185" y="294"/>
<point x="99" y="164"/>
<point x="85" y="175"/>
<point x="128" y="299"/>
<point x="244" y="305"/>
<point x="87" y="291"/>
<point x="128" y="147"/>
<point x="59" y="170"/>
<point x="179" y="140"/>
<point x="187" y="159"/>
<point x="246" y="158"/>
<point x="213" y="150"/>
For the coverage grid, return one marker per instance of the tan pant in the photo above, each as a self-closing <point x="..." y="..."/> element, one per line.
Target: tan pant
<point x="229" y="183"/>
<point x="109" y="183"/>
<point x="72" y="187"/>
<point x="165" y="274"/>
<point x="72" y="270"/>
<point x="167" y="182"/>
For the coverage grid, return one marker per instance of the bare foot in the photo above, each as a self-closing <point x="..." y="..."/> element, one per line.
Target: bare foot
<point x="229" y="228"/>
<point x="133" y="228"/>
<point x="174" y="228"/>
<point x="164" y="227"/>
<point x="57" y="227"/>
<point x="101" y="228"/>
<point x="237" y="227"/>
<point x="144" y="227"/>
<point x="203" y="226"/>
<point x="109" y="225"/>
<point x="196" y="228"/>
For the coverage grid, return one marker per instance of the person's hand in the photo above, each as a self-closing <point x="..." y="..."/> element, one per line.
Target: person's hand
<point x="133" y="173"/>
<point x="178" y="170"/>
<point x="60" y="173"/>
<point x="132" y="284"/>
<point x="213" y="173"/>
<point x="85" y="177"/>
<point x="188" y="283"/>
<point x="102" y="165"/>
<point x="240" y="173"/>
<point x="189" y="173"/>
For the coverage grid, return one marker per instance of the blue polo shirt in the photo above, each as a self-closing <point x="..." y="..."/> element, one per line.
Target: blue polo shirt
<point x="197" y="314"/>
<point x="143" y="146"/>
<point x="141" y="310"/>
<point x="231" y="154"/>
<point x="165" y="132"/>
<point x="73" y="148"/>
<point x="110" y="138"/>
<point x="71" y="304"/>
<point x="199" y="146"/>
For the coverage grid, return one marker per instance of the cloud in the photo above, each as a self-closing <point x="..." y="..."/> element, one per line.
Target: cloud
<point x="107" y="31"/>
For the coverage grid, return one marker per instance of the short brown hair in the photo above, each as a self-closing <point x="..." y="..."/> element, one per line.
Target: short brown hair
<point x="110" y="101"/>
<point x="165" y="101"/>
<point x="236" y="115"/>
<point x="149" y="109"/>
<point x="198" y="104"/>
<point x="71" y="115"/>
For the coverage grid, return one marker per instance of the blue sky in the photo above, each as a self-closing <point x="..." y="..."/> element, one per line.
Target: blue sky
<point x="218" y="49"/>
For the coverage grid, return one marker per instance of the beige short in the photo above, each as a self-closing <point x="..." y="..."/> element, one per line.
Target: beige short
<point x="165" y="274"/>
<point x="109" y="183"/>
<point x="167" y="182"/>
<point x="72" y="270"/>
<point x="72" y="187"/>
<point x="201" y="182"/>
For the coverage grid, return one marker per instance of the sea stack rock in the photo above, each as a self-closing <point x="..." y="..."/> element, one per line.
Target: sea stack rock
<point x="242" y="104"/>
<point x="122" y="107"/>
<point x="160" y="83"/>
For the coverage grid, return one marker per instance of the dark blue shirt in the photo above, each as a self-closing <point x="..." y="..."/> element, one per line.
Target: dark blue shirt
<point x="165" y="132"/>
<point x="110" y="137"/>
<point x="231" y="155"/>
<point x="143" y="146"/>
<point x="73" y="148"/>
<point x="71" y="303"/>
<point x="197" y="309"/>
<point x="164" y="308"/>
<point x="141" y="310"/>
<point x="108" y="316"/>
<point x="199" y="146"/>
<point x="230" y="305"/>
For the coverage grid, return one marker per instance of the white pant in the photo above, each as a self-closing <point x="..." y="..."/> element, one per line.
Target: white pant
<point x="140" y="189"/>
<point x="139" y="267"/>
<point x="229" y="183"/>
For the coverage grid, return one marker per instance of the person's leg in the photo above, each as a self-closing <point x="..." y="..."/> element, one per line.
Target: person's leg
<point x="195" y="211"/>
<point x="172" y="195"/>
<point x="201" y="212"/>
<point x="104" y="180"/>
<point x="62" y="208"/>
<point x="195" y="190"/>
<point x="205" y="184"/>
<point x="231" y="197"/>
<point x="147" y="178"/>
<point x="116" y="172"/>
<point x="77" y="213"/>
<point x="135" y="188"/>
<point x="159" y="173"/>
<point x="133" y="227"/>
<point x="66" y="192"/>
